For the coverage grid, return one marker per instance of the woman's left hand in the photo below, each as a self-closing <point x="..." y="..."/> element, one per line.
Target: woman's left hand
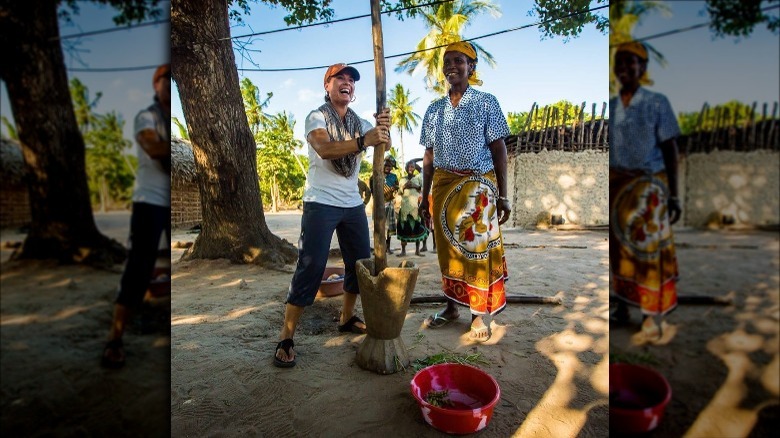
<point x="383" y="118"/>
<point x="503" y="210"/>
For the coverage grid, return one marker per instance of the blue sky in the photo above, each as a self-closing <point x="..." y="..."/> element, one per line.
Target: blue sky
<point x="701" y="68"/>
<point x="528" y="69"/>
<point x="123" y="92"/>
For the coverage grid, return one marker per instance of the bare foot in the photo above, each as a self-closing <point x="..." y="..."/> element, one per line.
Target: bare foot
<point x="479" y="333"/>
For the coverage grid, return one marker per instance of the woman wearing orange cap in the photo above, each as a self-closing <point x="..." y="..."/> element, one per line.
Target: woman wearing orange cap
<point x="642" y="194"/>
<point x="463" y="135"/>
<point x="337" y="138"/>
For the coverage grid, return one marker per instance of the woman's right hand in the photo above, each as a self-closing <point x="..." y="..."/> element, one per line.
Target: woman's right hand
<point x="425" y="213"/>
<point x="377" y="135"/>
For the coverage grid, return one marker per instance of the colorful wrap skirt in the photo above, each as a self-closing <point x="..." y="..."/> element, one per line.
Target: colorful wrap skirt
<point x="642" y="258"/>
<point x="410" y="225"/>
<point x="390" y="217"/>
<point x="469" y="243"/>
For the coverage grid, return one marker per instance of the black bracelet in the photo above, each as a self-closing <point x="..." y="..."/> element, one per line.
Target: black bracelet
<point x="360" y="145"/>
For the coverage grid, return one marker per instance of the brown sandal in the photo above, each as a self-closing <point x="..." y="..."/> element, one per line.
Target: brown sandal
<point x="113" y="354"/>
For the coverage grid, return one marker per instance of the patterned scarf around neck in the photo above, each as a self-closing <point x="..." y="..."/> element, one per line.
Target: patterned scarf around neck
<point x="338" y="131"/>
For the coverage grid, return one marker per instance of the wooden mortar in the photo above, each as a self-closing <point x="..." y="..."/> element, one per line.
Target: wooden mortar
<point x="385" y="299"/>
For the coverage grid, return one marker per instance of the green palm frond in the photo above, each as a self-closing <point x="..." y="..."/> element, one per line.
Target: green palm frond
<point x="445" y="24"/>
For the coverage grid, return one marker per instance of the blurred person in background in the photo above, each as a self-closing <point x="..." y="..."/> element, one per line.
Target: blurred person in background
<point x="643" y="197"/>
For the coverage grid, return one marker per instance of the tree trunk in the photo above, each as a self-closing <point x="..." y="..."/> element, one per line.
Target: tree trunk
<point x="403" y="163"/>
<point x="62" y="225"/>
<point x="103" y="190"/>
<point x="233" y="224"/>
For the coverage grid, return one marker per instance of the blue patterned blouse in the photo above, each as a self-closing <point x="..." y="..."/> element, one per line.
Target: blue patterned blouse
<point x="637" y="131"/>
<point x="460" y="135"/>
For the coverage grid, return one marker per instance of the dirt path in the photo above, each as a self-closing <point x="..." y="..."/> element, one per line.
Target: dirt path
<point x="550" y="361"/>
<point x="54" y="322"/>
<point x="721" y="361"/>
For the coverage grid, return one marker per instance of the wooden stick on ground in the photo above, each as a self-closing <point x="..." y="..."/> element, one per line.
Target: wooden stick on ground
<point x="515" y="299"/>
<point x="703" y="299"/>
<point x="695" y="299"/>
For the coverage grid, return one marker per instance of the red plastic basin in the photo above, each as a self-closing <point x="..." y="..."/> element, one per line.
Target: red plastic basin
<point x="331" y="288"/>
<point x="637" y="398"/>
<point x="472" y="392"/>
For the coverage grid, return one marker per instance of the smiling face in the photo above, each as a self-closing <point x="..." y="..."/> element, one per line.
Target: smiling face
<point x="629" y="68"/>
<point x="457" y="67"/>
<point x="341" y="88"/>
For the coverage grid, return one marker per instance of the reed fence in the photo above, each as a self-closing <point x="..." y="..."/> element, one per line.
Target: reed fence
<point x="551" y="129"/>
<point x="720" y="128"/>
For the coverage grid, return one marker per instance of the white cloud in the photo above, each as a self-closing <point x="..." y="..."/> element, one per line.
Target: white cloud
<point x="134" y="95"/>
<point x="288" y="83"/>
<point x="306" y="95"/>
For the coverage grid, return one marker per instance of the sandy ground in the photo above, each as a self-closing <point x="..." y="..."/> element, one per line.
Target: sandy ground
<point x="550" y="361"/>
<point x="722" y="362"/>
<point x="54" y="321"/>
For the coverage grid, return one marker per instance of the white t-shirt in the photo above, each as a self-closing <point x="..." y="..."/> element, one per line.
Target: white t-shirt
<point x="324" y="185"/>
<point x="152" y="182"/>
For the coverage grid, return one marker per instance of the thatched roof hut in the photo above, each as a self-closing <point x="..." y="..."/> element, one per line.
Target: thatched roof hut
<point x="185" y="197"/>
<point x="182" y="161"/>
<point x="14" y="196"/>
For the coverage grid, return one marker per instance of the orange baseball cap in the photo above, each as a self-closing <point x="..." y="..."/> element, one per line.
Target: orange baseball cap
<point x="335" y="69"/>
<point x="161" y="71"/>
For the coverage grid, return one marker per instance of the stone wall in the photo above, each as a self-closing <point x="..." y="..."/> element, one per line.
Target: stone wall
<point x="574" y="185"/>
<point x="742" y="185"/>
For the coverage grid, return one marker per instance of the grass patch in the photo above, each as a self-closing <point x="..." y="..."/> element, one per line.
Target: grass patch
<point x="418" y="337"/>
<point x="450" y="357"/>
<point x="634" y="358"/>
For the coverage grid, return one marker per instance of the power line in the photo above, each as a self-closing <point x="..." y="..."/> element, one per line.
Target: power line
<point x="430" y="48"/>
<point x="390" y="11"/>
<point x="321" y="23"/>
<point x="681" y="30"/>
<point x="109" y="30"/>
<point x="112" y="69"/>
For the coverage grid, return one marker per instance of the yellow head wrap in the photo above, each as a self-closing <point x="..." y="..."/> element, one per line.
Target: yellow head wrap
<point x="639" y="50"/>
<point x="468" y="50"/>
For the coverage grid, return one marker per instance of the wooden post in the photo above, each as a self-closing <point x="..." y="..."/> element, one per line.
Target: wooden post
<point x="601" y="123"/>
<point x="752" y="135"/>
<point x="380" y="221"/>
<point x="592" y="127"/>
<point x="772" y="133"/>
<point x="582" y="126"/>
<point x="761" y="143"/>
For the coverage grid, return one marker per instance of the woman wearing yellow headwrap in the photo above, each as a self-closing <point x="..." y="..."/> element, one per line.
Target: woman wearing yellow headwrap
<point x="643" y="195"/>
<point x="463" y="135"/>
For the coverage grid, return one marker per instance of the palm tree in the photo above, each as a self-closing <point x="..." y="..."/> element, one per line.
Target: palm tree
<point x="183" y="133"/>
<point x="253" y="105"/>
<point x="402" y="115"/>
<point x="445" y="23"/>
<point x="624" y="15"/>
